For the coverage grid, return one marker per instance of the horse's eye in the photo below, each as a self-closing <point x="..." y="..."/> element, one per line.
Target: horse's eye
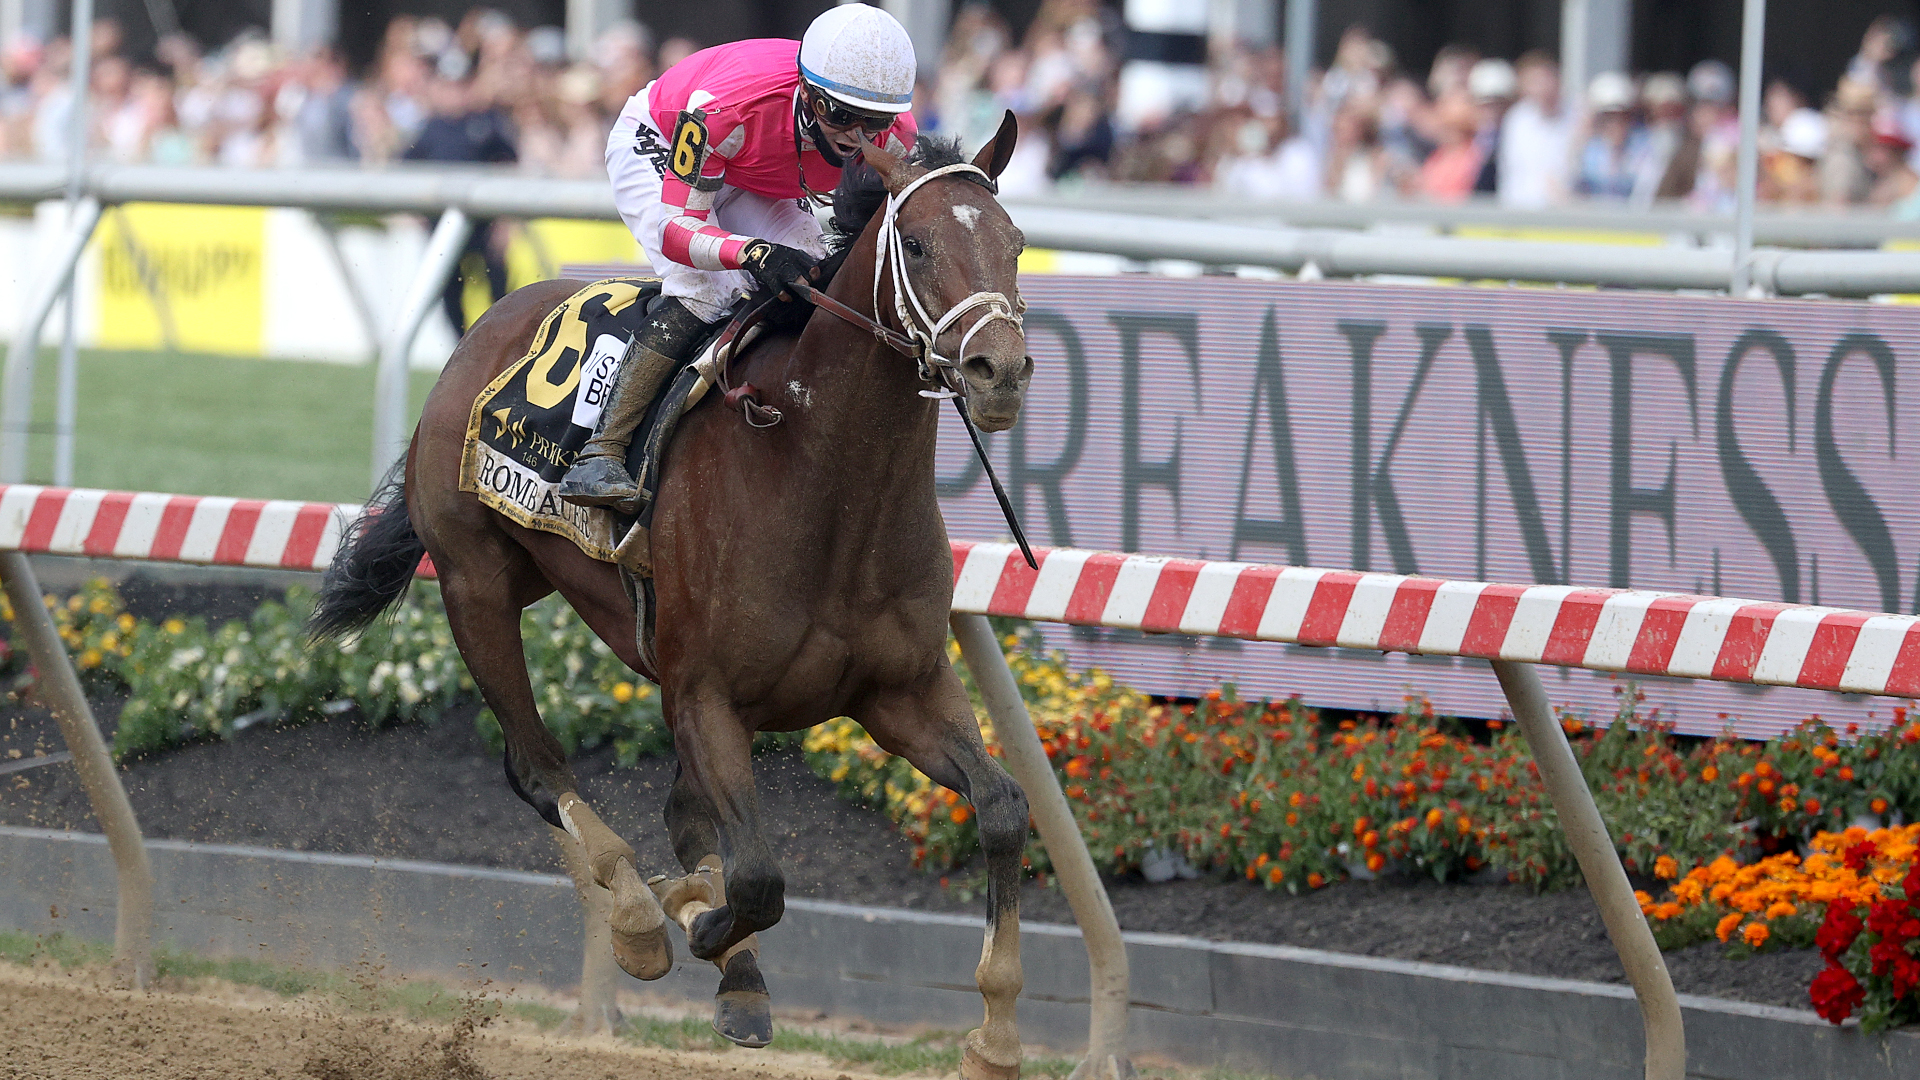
<point x="913" y="246"/>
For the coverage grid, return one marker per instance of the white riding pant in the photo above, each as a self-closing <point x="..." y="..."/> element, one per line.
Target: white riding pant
<point x="636" y="194"/>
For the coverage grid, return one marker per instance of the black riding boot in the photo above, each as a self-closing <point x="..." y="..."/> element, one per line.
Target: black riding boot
<point x="599" y="474"/>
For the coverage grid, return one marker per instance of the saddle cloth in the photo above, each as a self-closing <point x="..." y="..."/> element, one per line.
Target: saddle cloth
<point x="531" y="420"/>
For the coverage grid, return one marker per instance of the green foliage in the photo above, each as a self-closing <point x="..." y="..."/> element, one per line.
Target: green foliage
<point x="587" y="696"/>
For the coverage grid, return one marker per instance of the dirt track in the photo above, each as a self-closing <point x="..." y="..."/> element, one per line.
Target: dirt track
<point x="62" y="1027"/>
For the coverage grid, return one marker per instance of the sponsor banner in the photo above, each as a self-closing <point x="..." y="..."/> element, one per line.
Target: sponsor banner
<point x="1632" y="440"/>
<point x="181" y="277"/>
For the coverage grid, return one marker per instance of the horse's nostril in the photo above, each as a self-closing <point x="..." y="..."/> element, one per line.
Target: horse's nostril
<point x="1026" y="368"/>
<point x="978" y="368"/>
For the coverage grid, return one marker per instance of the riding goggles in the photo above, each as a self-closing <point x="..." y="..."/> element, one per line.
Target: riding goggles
<point x="835" y="115"/>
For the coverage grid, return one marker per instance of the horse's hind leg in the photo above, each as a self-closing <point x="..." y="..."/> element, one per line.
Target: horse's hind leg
<point x="933" y="726"/>
<point x="742" y="1009"/>
<point x="485" y="616"/>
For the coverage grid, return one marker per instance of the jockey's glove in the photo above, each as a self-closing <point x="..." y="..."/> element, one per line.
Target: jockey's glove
<point x="774" y="265"/>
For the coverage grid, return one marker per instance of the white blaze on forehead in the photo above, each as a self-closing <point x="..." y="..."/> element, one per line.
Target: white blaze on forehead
<point x="967" y="215"/>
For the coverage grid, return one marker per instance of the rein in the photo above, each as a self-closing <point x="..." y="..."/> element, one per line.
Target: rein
<point x="922" y="335"/>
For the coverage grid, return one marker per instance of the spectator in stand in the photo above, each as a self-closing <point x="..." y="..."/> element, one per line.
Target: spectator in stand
<point x="1449" y="173"/>
<point x="1536" y="138"/>
<point x="1358" y="169"/>
<point x="1492" y="84"/>
<point x="1887" y="38"/>
<point x="1615" y="147"/>
<point x="1663" y="173"/>
<point x="1895" y="183"/>
<point x="467" y="128"/>
<point x="1790" y="173"/>
<point x="319" y="98"/>
<point x="1843" y="176"/>
<point x="1083" y="137"/>
<point x="1715" y="144"/>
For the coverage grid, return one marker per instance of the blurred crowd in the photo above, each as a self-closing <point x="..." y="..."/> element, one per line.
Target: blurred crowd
<point x="1371" y="130"/>
<point x="487" y="90"/>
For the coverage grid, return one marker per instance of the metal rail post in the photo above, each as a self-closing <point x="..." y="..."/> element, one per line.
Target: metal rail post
<point x="16" y="411"/>
<point x="449" y="239"/>
<point x="1753" y="32"/>
<point x="1606" y="878"/>
<point x="60" y="689"/>
<point x="1026" y="759"/>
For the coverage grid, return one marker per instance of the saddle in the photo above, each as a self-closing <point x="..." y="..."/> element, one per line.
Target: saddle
<point x="523" y="432"/>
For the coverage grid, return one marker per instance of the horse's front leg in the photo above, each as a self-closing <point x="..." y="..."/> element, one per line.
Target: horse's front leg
<point x="716" y="761"/>
<point x="932" y="725"/>
<point x="742" y="1008"/>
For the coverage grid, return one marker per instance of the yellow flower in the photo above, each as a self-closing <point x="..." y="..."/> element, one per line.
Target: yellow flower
<point x="90" y="659"/>
<point x="125" y="623"/>
<point x="173" y="626"/>
<point x="623" y="692"/>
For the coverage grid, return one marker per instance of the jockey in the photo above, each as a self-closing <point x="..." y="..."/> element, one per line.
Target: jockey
<point x="715" y="166"/>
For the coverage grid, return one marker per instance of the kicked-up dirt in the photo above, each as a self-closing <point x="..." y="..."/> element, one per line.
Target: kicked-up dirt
<point x="70" y="1027"/>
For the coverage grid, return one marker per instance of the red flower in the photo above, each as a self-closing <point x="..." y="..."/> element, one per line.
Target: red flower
<point x="1836" y="993"/>
<point x="1836" y="934"/>
<point x="1911" y="886"/>
<point x="1906" y="975"/>
<point x="1889" y="919"/>
<point x="1859" y="855"/>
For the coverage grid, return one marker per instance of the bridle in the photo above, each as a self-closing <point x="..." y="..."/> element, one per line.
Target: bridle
<point x="923" y="329"/>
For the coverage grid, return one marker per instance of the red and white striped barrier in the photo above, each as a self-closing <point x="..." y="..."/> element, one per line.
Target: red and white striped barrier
<point x="171" y="528"/>
<point x="1627" y="630"/>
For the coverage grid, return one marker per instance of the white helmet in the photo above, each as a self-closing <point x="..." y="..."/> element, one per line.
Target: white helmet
<point x="861" y="57"/>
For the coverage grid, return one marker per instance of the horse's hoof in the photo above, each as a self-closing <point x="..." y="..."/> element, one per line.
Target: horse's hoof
<point x="974" y="1066"/>
<point x="742" y="1010"/>
<point x="640" y="943"/>
<point x="744" y="1017"/>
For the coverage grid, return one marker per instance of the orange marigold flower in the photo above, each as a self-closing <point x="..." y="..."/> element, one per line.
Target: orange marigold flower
<point x="1370" y="839"/>
<point x="1463" y="824"/>
<point x="1846" y="772"/>
<point x="1275" y="875"/>
<point x="1666" y="867"/>
<point x="1645" y="900"/>
<point x="1780" y="909"/>
<point x="1666" y="911"/>
<point x="1788" y="806"/>
<point x="1252" y="872"/>
<point x="1434" y="817"/>
<point x="1294" y="799"/>
<point x="1709" y="774"/>
<point x="1724" y="929"/>
<point x="960" y="814"/>
<point x="1375" y="861"/>
<point x="1293" y="818"/>
<point x="1878" y="806"/>
<point x="1314" y="880"/>
<point x="1756" y="934"/>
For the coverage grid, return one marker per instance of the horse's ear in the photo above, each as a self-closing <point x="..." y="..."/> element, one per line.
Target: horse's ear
<point x="993" y="157"/>
<point x="892" y="169"/>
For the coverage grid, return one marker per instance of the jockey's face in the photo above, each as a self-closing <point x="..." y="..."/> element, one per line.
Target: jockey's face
<point x="841" y="126"/>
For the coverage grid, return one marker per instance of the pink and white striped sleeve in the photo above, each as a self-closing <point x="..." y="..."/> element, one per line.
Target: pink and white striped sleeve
<point x="689" y="239"/>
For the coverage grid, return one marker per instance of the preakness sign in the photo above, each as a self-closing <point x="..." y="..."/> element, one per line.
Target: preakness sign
<point x="1739" y="448"/>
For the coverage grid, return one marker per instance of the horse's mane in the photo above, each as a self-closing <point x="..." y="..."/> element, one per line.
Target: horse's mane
<point x="861" y="192"/>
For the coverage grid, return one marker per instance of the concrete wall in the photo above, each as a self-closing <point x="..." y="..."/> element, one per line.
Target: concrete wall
<point x="1292" y="1012"/>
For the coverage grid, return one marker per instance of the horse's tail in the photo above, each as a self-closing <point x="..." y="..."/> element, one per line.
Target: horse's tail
<point x="374" y="566"/>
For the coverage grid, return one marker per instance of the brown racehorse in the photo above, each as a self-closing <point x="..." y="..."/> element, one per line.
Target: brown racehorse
<point x="802" y="573"/>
